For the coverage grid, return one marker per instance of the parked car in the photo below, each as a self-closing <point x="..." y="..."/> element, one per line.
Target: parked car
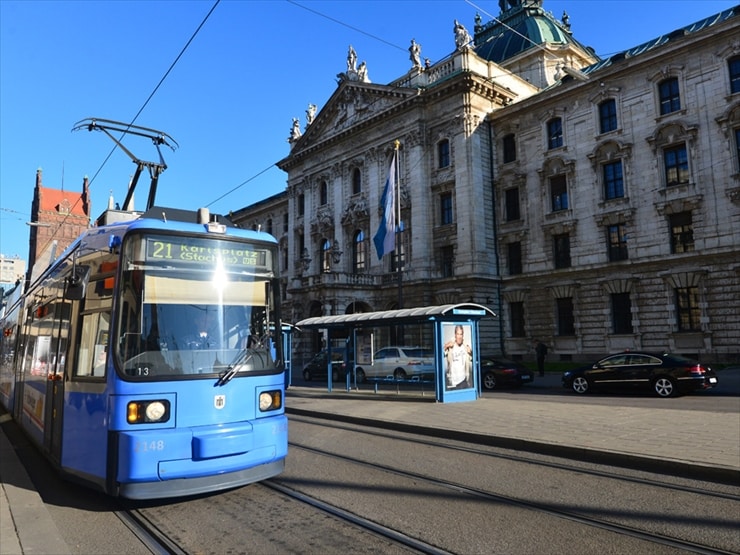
<point x="399" y="363"/>
<point x="663" y="374"/>
<point x="499" y="372"/>
<point x="317" y="366"/>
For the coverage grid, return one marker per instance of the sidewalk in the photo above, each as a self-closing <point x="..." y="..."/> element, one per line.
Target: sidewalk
<point x="25" y="524"/>
<point x="698" y="444"/>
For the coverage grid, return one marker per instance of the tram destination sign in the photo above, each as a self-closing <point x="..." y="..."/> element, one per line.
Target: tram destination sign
<point x="189" y="251"/>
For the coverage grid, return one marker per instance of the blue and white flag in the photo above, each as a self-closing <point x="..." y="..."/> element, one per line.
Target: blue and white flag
<point x="385" y="238"/>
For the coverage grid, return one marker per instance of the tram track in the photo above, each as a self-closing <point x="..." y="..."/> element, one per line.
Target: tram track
<point x="156" y="541"/>
<point x="396" y="536"/>
<point x="552" y="509"/>
<point x="516" y="456"/>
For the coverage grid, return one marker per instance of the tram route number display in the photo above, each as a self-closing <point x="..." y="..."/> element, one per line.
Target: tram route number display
<point x="195" y="253"/>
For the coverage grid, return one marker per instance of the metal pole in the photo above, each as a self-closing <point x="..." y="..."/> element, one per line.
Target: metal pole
<point x="399" y="250"/>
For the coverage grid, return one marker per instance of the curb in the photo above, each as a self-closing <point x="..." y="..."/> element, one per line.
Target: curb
<point x="682" y="469"/>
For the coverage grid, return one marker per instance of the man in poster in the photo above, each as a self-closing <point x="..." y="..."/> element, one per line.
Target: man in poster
<point x="459" y="357"/>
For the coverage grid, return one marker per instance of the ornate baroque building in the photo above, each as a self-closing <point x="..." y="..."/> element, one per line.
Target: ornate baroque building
<point x="593" y="204"/>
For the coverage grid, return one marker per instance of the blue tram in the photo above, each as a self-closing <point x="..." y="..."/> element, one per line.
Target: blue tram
<point x="147" y="361"/>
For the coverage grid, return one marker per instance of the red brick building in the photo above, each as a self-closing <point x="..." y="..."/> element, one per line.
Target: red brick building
<point x="58" y="217"/>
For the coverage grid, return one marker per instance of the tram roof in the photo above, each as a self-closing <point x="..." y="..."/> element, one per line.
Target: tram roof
<point x="389" y="317"/>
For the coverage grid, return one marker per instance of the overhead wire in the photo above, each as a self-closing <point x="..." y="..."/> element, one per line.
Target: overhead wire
<point x="138" y="113"/>
<point x="348" y="26"/>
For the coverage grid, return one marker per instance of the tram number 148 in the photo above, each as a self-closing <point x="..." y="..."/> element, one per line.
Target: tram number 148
<point x="145" y="446"/>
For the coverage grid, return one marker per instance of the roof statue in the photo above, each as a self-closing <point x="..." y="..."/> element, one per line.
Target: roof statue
<point x="351" y="60"/>
<point x="310" y="114"/>
<point x="462" y="37"/>
<point x="353" y="72"/>
<point x="295" y="131"/>
<point x="415" y="54"/>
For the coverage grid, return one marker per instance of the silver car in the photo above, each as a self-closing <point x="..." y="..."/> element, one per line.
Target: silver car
<point x="399" y="363"/>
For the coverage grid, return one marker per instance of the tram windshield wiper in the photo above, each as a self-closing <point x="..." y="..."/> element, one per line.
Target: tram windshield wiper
<point x="231" y="371"/>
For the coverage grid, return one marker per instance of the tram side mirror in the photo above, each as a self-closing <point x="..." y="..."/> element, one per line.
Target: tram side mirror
<point x="77" y="283"/>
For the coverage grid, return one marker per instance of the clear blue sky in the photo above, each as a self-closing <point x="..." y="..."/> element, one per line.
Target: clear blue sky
<point x="230" y="98"/>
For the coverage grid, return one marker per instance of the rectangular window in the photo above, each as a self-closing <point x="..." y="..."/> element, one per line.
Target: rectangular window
<point x="447" y="261"/>
<point x="398" y="256"/>
<point x="516" y="313"/>
<point x="561" y="250"/>
<point x="616" y="239"/>
<point x="514" y="255"/>
<point x="559" y="193"/>
<point x="360" y="253"/>
<point x="682" y="232"/>
<point x="509" y="146"/>
<point x="554" y="133"/>
<point x="443" y="153"/>
<point x="285" y="223"/>
<point x="621" y="313"/>
<point x="687" y="308"/>
<point x="608" y="115"/>
<point x="445" y="207"/>
<point x="613" y="180"/>
<point x="737" y="146"/>
<point x="670" y="98"/>
<point x="301" y="204"/>
<point x="734" y="67"/>
<point x="326" y="256"/>
<point x="676" y="165"/>
<point x="566" y="322"/>
<point x="512" y="204"/>
<point x="356" y="181"/>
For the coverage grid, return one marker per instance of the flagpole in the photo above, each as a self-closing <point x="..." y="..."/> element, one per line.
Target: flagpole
<point x="399" y="250"/>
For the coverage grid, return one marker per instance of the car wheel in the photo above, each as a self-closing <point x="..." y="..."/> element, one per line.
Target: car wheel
<point x="489" y="380"/>
<point x="307" y="375"/>
<point x="399" y="374"/>
<point x="664" y="386"/>
<point x="360" y="375"/>
<point x="580" y="384"/>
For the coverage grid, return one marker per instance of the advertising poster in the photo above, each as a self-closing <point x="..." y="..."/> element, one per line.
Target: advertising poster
<point x="458" y="356"/>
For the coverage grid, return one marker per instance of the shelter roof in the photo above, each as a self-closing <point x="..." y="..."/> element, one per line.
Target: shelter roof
<point x="388" y="317"/>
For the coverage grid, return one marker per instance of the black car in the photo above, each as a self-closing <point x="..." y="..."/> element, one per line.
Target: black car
<point x="317" y="367"/>
<point x="665" y="375"/>
<point x="499" y="372"/>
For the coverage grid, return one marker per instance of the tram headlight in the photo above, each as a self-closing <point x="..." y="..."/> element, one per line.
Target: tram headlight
<point x="147" y="412"/>
<point x="271" y="400"/>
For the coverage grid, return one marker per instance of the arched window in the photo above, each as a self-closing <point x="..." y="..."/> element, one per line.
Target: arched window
<point x="356" y="181"/>
<point x="359" y="253"/>
<point x="323" y="193"/>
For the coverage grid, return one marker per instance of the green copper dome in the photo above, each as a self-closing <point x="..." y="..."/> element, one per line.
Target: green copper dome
<point x="519" y="28"/>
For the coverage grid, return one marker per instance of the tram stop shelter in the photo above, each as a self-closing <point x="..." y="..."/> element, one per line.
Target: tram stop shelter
<point x="446" y="347"/>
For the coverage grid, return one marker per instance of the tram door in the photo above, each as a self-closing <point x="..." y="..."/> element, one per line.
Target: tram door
<point x="54" y="327"/>
<point x="56" y="383"/>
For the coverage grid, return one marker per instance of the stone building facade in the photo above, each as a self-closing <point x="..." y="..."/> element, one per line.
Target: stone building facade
<point x="593" y="204"/>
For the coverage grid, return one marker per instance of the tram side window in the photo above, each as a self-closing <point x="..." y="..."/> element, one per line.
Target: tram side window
<point x="92" y="358"/>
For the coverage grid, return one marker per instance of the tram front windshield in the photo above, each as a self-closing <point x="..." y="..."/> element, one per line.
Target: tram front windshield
<point x="192" y="309"/>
